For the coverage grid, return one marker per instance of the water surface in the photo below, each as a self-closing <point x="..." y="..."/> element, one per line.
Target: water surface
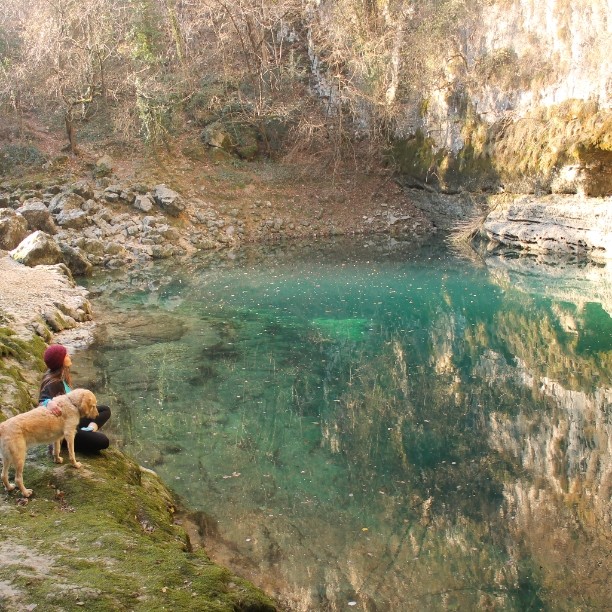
<point x="376" y="425"/>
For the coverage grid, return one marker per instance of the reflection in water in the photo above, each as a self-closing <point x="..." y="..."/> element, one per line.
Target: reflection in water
<point x="378" y="426"/>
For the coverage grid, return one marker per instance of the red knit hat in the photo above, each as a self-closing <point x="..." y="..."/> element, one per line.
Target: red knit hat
<point x="54" y="356"/>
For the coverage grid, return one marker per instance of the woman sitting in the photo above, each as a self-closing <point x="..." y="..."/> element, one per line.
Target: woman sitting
<point x="57" y="381"/>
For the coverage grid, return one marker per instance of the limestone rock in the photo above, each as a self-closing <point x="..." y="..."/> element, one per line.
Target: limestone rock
<point x="236" y="138"/>
<point x="104" y="166"/>
<point x="114" y="248"/>
<point x="568" y="179"/>
<point x="215" y="135"/>
<point x="161" y="251"/>
<point x="127" y="195"/>
<point x="75" y="259"/>
<point x="63" y="202"/>
<point x="167" y="199"/>
<point x="83" y="189"/>
<point x="567" y="224"/>
<point x="143" y="203"/>
<point x="72" y="219"/>
<point x="446" y="210"/>
<point x="13" y="228"/>
<point x="38" y="216"/>
<point x="91" y="246"/>
<point x="38" y="248"/>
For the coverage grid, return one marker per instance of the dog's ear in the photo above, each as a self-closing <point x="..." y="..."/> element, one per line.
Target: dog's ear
<point x="90" y="404"/>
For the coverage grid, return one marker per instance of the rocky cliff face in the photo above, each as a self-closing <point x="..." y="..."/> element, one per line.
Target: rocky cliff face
<point x="521" y="103"/>
<point x="520" y="106"/>
<point x="566" y="225"/>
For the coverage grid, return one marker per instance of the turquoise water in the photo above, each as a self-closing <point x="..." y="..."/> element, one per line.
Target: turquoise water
<point x="375" y="425"/>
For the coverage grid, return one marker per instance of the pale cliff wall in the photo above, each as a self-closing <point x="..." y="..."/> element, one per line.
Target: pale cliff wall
<point x="521" y="102"/>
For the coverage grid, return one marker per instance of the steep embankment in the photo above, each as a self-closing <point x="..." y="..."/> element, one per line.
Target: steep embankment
<point x="107" y="536"/>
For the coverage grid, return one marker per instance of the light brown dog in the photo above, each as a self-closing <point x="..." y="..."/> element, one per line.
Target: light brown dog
<point x="41" y="426"/>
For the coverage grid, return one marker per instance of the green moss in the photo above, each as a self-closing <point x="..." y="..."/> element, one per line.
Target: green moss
<point x="104" y="537"/>
<point x="574" y="132"/>
<point x="11" y="345"/>
<point x="415" y="156"/>
<point x="418" y="159"/>
<point x="527" y="151"/>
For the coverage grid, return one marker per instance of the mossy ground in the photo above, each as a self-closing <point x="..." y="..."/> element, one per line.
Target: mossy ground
<point x="104" y="538"/>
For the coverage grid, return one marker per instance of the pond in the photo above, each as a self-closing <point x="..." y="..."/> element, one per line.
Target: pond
<point x="373" y="424"/>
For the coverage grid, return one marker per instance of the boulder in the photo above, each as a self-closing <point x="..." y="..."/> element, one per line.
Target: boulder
<point x="82" y="188"/>
<point x="65" y="201"/>
<point x="72" y="219"/>
<point x="13" y="228"/>
<point x="216" y="135"/>
<point x="237" y="138"/>
<point x="38" y="217"/>
<point x="115" y="188"/>
<point x="76" y="260"/>
<point x="114" y="248"/>
<point x="161" y="251"/>
<point x="167" y="199"/>
<point x="111" y="196"/>
<point x="104" y="166"/>
<point x="246" y="141"/>
<point x="127" y="195"/>
<point x="38" y="248"/>
<point x="91" y="246"/>
<point x="143" y="203"/>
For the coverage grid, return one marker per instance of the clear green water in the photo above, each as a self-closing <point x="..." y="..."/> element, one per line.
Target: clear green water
<point x="374" y="425"/>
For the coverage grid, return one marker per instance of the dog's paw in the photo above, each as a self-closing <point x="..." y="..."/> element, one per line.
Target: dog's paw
<point x="77" y="464"/>
<point x="10" y="487"/>
<point x="58" y="459"/>
<point x="26" y="492"/>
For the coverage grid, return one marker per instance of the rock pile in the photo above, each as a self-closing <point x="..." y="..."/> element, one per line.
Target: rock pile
<point x="113" y="223"/>
<point x="109" y="225"/>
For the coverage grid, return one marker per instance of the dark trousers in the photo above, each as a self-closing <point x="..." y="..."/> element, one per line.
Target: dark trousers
<point x="92" y="441"/>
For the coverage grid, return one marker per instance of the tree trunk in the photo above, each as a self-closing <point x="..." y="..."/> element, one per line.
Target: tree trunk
<point x="70" y="131"/>
<point x="175" y="28"/>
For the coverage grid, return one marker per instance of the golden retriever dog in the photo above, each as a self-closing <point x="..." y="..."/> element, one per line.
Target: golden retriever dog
<point x="41" y="426"/>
